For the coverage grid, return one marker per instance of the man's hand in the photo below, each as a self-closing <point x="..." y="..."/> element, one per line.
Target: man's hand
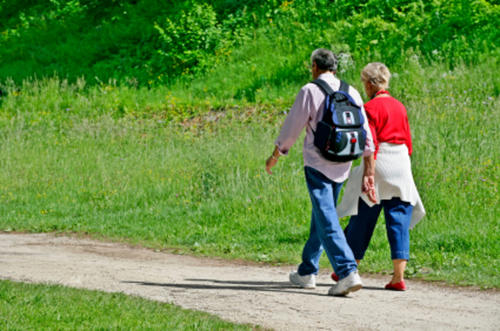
<point x="368" y="183"/>
<point x="272" y="160"/>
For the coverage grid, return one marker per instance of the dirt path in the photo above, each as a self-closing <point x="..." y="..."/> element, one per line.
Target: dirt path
<point x="242" y="293"/>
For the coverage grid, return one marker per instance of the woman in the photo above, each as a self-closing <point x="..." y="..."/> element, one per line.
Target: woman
<point x="395" y="189"/>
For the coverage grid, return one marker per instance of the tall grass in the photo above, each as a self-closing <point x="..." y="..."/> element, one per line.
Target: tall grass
<point x="198" y="185"/>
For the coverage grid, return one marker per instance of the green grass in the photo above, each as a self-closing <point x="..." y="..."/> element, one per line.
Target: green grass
<point x="43" y="307"/>
<point x="111" y="138"/>
<point x="199" y="185"/>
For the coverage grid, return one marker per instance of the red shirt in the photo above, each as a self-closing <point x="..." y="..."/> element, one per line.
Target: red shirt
<point x="388" y="122"/>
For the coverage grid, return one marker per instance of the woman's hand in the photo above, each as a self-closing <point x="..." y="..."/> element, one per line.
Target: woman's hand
<point x="368" y="183"/>
<point x="368" y="187"/>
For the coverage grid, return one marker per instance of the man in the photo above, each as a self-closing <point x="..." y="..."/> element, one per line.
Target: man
<point x="324" y="180"/>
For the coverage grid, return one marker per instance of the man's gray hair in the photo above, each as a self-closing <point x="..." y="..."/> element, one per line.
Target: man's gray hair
<point x="324" y="59"/>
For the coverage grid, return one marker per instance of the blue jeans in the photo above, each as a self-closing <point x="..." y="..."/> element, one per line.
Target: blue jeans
<point x="397" y="214"/>
<point x="326" y="232"/>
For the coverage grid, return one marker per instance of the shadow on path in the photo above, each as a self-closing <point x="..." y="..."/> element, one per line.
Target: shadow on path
<point x="263" y="286"/>
<point x="261" y="283"/>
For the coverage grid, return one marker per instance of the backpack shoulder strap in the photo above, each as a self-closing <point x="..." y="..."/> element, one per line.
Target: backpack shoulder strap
<point x="344" y="87"/>
<point x="324" y="86"/>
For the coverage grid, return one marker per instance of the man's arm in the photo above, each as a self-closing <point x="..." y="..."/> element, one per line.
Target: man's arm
<point x="294" y="123"/>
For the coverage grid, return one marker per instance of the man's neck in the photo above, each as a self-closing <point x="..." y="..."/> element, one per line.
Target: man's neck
<point x="320" y="72"/>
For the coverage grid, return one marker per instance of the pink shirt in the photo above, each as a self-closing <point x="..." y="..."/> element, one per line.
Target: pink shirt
<point x="306" y="111"/>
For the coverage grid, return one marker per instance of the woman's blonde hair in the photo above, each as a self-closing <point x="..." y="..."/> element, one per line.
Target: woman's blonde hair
<point x="377" y="74"/>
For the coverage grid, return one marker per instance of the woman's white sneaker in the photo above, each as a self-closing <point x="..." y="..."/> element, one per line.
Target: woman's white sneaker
<point x="306" y="281"/>
<point x="351" y="283"/>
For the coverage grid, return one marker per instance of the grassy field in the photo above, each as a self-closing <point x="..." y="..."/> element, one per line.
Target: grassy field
<point x="149" y="122"/>
<point x="44" y="307"/>
<point x="199" y="185"/>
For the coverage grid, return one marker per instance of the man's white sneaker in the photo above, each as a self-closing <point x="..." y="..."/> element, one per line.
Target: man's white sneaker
<point x="347" y="284"/>
<point x="306" y="281"/>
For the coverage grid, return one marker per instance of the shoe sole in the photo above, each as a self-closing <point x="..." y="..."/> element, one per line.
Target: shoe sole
<point x="355" y="288"/>
<point x="395" y="289"/>
<point x="309" y="287"/>
<point x="349" y="290"/>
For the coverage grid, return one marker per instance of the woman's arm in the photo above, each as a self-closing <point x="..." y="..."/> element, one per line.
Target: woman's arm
<point x="368" y="183"/>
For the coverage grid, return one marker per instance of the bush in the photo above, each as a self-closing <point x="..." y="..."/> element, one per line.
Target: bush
<point x="156" y="42"/>
<point x="189" y="39"/>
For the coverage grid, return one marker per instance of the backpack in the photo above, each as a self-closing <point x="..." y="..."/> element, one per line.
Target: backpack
<point x="340" y="135"/>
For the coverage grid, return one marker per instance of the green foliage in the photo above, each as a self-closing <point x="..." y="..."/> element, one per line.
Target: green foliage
<point x="447" y="30"/>
<point x="155" y="42"/>
<point x="43" y="307"/>
<point x="190" y="39"/>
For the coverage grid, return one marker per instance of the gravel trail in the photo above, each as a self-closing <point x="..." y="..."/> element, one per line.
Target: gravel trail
<point x="244" y="293"/>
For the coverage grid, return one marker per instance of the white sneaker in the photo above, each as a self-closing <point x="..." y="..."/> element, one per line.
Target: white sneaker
<point x="306" y="281"/>
<point x="351" y="283"/>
